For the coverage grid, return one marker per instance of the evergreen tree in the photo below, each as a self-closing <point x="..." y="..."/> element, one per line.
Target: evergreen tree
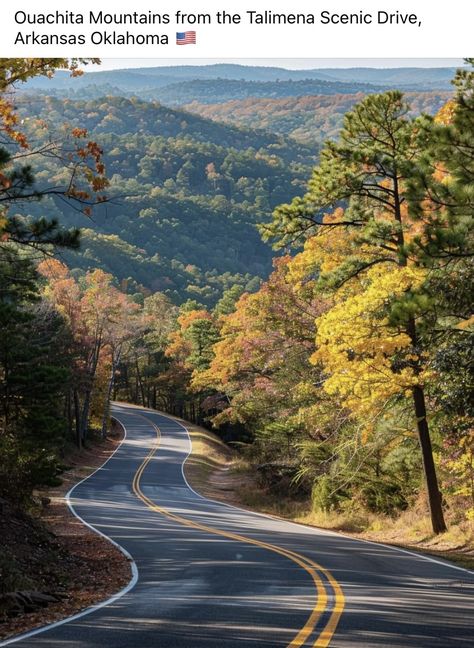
<point x="33" y="375"/>
<point x="367" y="171"/>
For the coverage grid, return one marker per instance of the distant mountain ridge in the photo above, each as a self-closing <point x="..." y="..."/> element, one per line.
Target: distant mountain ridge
<point x="164" y="75"/>
<point x="166" y="83"/>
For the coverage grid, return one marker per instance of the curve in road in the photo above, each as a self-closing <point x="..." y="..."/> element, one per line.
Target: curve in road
<point x="213" y="575"/>
<point x="312" y="568"/>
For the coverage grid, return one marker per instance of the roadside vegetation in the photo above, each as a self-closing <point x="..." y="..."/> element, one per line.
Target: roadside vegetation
<point x="218" y="472"/>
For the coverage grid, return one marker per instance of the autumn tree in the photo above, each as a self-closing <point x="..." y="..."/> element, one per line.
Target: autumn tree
<point x="124" y="325"/>
<point x="261" y="366"/>
<point x="145" y="365"/>
<point x="367" y="171"/>
<point x="190" y="351"/>
<point x="101" y="320"/>
<point x="194" y="339"/>
<point x="78" y="157"/>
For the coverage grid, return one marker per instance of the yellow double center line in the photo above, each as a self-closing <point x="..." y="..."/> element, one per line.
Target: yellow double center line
<point x="313" y="568"/>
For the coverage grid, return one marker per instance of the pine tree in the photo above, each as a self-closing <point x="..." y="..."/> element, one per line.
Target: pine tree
<point x="34" y="361"/>
<point x="366" y="171"/>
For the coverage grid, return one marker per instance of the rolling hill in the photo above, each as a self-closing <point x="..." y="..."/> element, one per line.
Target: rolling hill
<point x="308" y="119"/>
<point x="186" y="194"/>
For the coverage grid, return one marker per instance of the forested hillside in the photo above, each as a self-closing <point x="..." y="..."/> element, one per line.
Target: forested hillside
<point x="208" y="90"/>
<point x="185" y="193"/>
<point x="121" y="116"/>
<point x="308" y="119"/>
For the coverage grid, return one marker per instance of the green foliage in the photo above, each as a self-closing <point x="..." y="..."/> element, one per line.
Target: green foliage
<point x="202" y="334"/>
<point x="445" y="176"/>
<point x="227" y="302"/>
<point x="185" y="194"/>
<point x="33" y="373"/>
<point x="325" y="495"/>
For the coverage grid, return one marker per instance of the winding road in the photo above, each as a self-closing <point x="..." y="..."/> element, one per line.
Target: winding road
<point x="209" y="575"/>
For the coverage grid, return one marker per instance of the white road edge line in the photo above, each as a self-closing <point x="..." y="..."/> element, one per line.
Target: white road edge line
<point x="112" y="599"/>
<point x="306" y="526"/>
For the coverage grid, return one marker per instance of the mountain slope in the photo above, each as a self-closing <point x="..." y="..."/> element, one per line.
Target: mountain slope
<point x="189" y="186"/>
<point x="309" y="119"/>
<point x="219" y="90"/>
<point x="186" y="194"/>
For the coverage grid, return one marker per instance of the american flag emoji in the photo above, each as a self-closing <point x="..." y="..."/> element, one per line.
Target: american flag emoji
<point x="186" y="38"/>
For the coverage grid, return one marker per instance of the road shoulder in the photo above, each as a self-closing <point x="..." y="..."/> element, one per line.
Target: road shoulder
<point x="86" y="568"/>
<point x="215" y="471"/>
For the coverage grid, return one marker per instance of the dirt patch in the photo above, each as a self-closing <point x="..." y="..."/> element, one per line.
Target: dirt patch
<point x="456" y="545"/>
<point x="55" y="554"/>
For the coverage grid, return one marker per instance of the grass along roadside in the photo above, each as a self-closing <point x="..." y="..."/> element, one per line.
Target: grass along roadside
<point x="54" y="553"/>
<point x="217" y="472"/>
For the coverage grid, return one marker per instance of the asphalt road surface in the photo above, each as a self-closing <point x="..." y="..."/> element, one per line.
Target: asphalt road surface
<point x="208" y="575"/>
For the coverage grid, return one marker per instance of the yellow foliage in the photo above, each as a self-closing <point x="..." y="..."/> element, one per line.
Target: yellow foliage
<point x="446" y="113"/>
<point x="178" y="346"/>
<point x="325" y="251"/>
<point x="356" y="343"/>
<point x="229" y="350"/>
<point x="460" y="478"/>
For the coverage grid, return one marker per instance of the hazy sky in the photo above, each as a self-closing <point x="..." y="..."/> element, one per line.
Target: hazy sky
<point x="290" y="63"/>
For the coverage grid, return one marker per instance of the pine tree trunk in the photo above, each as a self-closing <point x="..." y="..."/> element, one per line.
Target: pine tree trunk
<point x="429" y="469"/>
<point x="434" y="495"/>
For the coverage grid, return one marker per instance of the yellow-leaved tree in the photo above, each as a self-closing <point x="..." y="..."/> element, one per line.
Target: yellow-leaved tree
<point x="369" y="249"/>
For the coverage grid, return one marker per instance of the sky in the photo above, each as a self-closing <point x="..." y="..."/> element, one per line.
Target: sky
<point x="289" y="63"/>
